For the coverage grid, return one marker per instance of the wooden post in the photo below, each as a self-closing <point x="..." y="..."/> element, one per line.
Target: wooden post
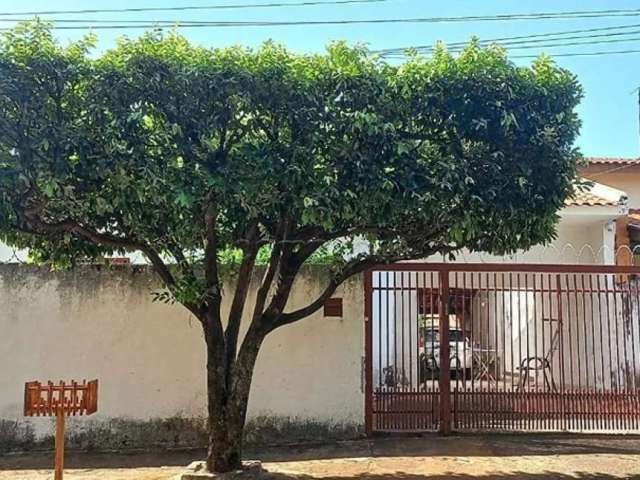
<point x="445" y="361"/>
<point x="60" y="400"/>
<point x="59" y="456"/>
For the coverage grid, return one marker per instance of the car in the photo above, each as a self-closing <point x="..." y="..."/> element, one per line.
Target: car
<point x="460" y="349"/>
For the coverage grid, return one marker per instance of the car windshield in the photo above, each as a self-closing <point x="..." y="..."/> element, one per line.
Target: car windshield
<point x="432" y="336"/>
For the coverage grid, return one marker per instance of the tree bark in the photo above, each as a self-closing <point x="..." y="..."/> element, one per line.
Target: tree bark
<point x="225" y="440"/>
<point x="228" y="387"/>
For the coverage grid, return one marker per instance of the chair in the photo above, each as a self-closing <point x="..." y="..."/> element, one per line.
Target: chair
<point x="393" y="377"/>
<point x="531" y="366"/>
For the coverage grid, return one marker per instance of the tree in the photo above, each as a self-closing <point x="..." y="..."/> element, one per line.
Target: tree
<point x="186" y="153"/>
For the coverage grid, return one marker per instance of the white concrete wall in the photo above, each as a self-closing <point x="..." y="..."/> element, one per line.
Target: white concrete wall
<point x="578" y="240"/>
<point x="150" y="357"/>
<point x="599" y="338"/>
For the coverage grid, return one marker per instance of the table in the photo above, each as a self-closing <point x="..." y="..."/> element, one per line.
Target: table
<point x="485" y="361"/>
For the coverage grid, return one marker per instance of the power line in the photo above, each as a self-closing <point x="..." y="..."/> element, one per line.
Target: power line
<point x="560" y="54"/>
<point x="528" y="43"/>
<point x="137" y="23"/>
<point x="556" y="55"/>
<point x="223" y="24"/>
<point x="511" y="16"/>
<point x="581" y="54"/>
<point x="570" y="44"/>
<point x="527" y="40"/>
<point x="551" y="45"/>
<point x="540" y="37"/>
<point x="476" y="18"/>
<point x="193" y="7"/>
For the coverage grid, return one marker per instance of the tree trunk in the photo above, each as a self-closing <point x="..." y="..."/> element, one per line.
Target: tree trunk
<point x="225" y="444"/>
<point x="228" y="389"/>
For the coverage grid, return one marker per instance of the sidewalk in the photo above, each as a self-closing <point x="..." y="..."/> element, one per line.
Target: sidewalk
<point x="500" y="457"/>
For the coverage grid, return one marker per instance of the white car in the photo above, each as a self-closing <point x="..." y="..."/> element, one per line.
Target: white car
<point x="460" y="350"/>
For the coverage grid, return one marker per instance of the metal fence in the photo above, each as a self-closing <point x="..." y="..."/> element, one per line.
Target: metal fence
<point x="502" y="347"/>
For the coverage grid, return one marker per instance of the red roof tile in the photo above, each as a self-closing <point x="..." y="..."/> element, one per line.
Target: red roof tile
<point x="590" y="200"/>
<point x="597" y="195"/>
<point x="612" y="160"/>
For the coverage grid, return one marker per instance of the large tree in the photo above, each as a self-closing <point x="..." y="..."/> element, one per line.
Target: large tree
<point x="187" y="153"/>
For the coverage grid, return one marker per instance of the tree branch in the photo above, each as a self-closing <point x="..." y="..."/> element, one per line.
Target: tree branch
<point x="289" y="267"/>
<point x="245" y="272"/>
<point x="128" y="244"/>
<point x="270" y="272"/>
<point x="211" y="243"/>
<point x="30" y="217"/>
<point x="181" y="260"/>
<point x="213" y="293"/>
<point x="351" y="268"/>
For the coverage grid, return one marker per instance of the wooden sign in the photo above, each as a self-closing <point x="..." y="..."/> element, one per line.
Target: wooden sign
<point x="73" y="398"/>
<point x="61" y="399"/>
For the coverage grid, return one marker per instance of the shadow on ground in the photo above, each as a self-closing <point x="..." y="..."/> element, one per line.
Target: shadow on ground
<point x="454" y="476"/>
<point x="422" y="446"/>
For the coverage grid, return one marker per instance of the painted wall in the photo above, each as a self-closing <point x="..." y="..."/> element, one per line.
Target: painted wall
<point x="150" y="358"/>
<point x="579" y="240"/>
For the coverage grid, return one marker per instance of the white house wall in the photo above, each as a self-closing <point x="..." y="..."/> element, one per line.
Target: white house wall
<point x="599" y="342"/>
<point x="579" y="240"/>
<point x="150" y="358"/>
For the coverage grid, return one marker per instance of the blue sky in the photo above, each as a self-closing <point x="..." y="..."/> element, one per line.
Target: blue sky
<point x="609" y="110"/>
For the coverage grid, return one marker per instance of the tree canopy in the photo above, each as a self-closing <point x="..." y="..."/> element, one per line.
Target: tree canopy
<point x="423" y="155"/>
<point x="184" y="152"/>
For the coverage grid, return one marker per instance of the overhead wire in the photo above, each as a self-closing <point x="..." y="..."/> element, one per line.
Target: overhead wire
<point x="538" y="41"/>
<point x="582" y="54"/>
<point x="273" y="23"/>
<point x="524" y="39"/>
<point x="514" y="43"/>
<point x="569" y="44"/>
<point x="561" y="54"/>
<point x="563" y="44"/>
<point x="191" y="7"/>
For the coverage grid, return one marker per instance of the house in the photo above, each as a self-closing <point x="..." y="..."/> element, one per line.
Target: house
<point x="532" y="350"/>
<point x="597" y="225"/>
<point x="622" y="174"/>
<point x="531" y="347"/>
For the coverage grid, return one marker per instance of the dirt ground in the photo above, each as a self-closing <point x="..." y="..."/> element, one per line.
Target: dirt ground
<point x="501" y="457"/>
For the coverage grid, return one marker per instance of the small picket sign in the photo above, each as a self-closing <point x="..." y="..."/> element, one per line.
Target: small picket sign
<point x="62" y="399"/>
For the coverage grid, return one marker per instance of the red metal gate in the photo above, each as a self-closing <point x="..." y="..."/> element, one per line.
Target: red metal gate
<point x="523" y="347"/>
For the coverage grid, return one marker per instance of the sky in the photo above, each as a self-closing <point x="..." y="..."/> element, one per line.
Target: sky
<point x="609" y="111"/>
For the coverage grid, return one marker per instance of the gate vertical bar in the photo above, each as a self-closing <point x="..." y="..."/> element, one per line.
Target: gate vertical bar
<point x="635" y="308"/>
<point x="558" y="338"/>
<point x="368" y="353"/>
<point x="561" y="404"/>
<point x="432" y="373"/>
<point x="388" y="418"/>
<point x="444" y="380"/>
